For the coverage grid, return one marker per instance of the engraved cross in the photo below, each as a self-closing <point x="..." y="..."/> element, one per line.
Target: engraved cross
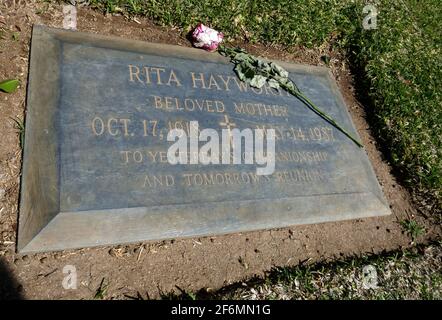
<point x="229" y="125"/>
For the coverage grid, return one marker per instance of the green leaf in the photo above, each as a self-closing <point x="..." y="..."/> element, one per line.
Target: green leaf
<point x="264" y="66"/>
<point x="258" y="81"/>
<point x="249" y="72"/>
<point x="279" y="70"/>
<point x="239" y="57"/>
<point x="244" y="71"/>
<point x="273" y="84"/>
<point x="239" y="72"/>
<point x="9" y="85"/>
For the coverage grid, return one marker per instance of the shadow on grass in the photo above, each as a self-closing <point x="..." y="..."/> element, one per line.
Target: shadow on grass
<point x="304" y="273"/>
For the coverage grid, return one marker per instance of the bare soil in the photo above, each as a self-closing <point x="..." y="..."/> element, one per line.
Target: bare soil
<point x="206" y="263"/>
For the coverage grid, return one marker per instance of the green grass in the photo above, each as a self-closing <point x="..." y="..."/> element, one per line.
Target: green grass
<point x="101" y="291"/>
<point x="413" y="228"/>
<point x="398" y="66"/>
<point x="20" y="127"/>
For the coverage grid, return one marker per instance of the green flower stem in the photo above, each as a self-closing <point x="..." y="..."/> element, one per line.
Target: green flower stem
<point x="325" y="116"/>
<point x="283" y="81"/>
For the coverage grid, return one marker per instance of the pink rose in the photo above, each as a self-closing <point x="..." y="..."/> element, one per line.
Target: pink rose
<point x="206" y="38"/>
